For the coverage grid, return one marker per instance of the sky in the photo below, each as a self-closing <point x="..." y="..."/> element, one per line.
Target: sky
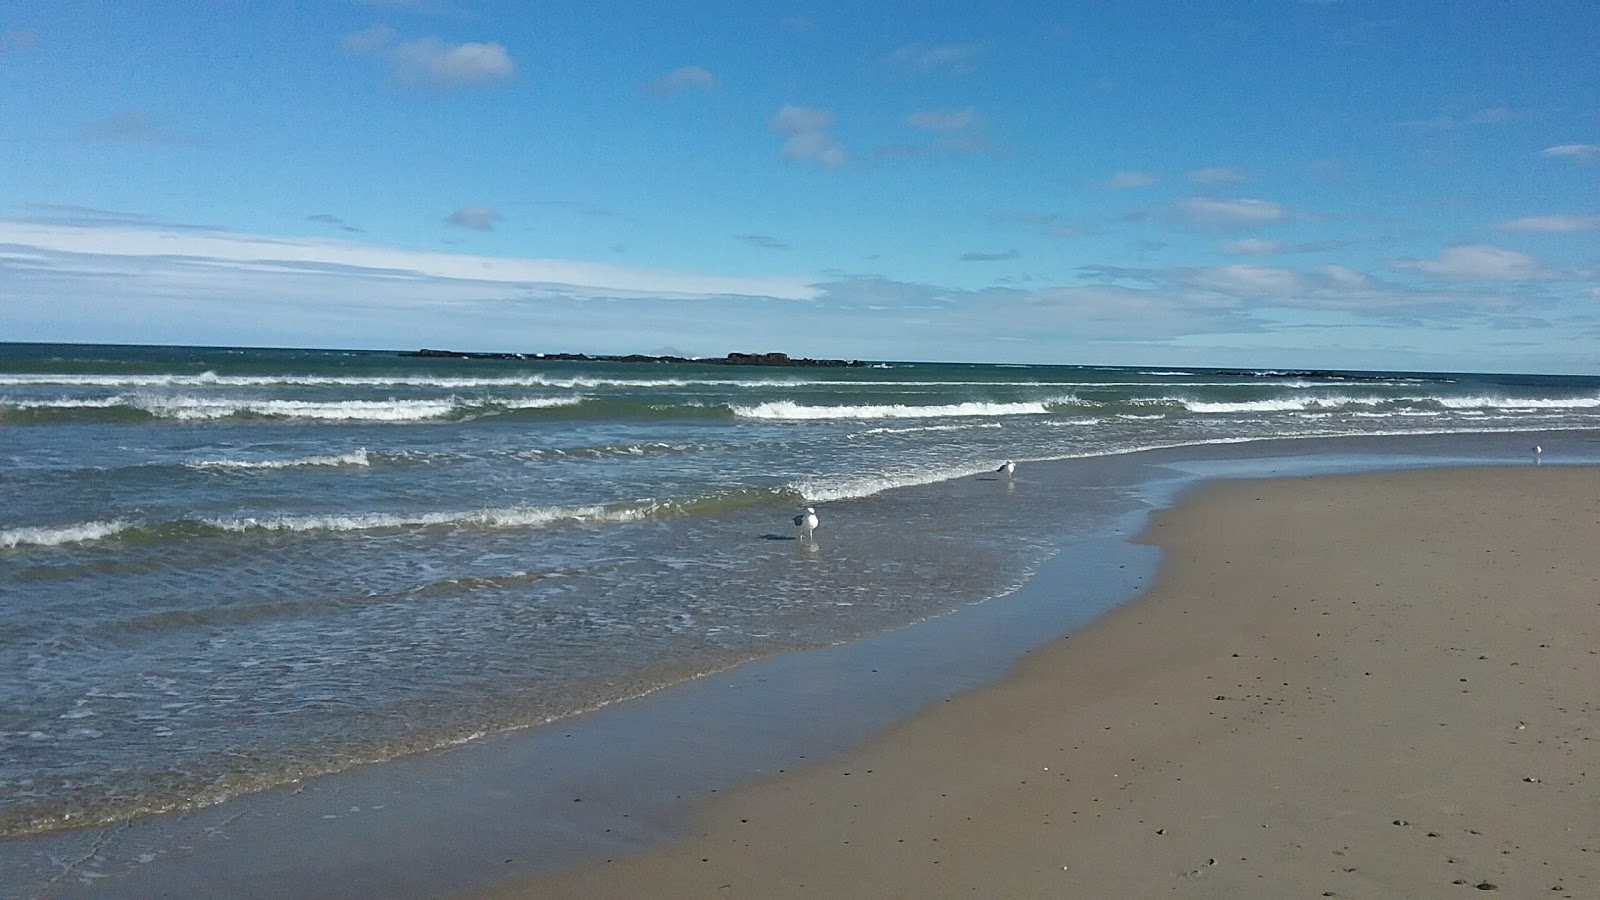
<point x="1405" y="184"/>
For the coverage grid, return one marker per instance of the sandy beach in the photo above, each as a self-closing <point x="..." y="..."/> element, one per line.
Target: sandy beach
<point x="1380" y="685"/>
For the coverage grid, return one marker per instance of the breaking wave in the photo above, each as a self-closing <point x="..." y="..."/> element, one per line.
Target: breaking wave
<point x="789" y="410"/>
<point x="353" y="458"/>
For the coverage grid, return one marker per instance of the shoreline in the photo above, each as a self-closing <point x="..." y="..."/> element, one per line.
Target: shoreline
<point x="463" y="819"/>
<point x="1352" y="685"/>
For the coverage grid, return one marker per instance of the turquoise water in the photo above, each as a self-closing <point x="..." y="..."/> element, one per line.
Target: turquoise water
<point x="226" y="569"/>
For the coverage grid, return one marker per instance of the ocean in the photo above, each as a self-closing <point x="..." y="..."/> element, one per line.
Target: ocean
<point x="223" y="570"/>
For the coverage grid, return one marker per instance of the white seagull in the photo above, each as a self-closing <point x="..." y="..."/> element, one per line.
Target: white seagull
<point x="1006" y="468"/>
<point x="806" y="522"/>
<point x="1537" y="450"/>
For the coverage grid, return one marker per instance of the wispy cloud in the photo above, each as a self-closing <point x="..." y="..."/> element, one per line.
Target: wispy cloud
<point x="981" y="256"/>
<point x="1211" y="211"/>
<point x="1556" y="224"/>
<point x="1218" y="175"/>
<point x="808" y="135"/>
<point x="1260" y="247"/>
<point x="683" y="78"/>
<point x="477" y="218"/>
<point x="943" y="119"/>
<point x="1130" y="180"/>
<point x="94" y="217"/>
<point x="1255" y="289"/>
<point x="1492" y="115"/>
<point x="1248" y="280"/>
<point x="1474" y="262"/>
<point x="948" y="57"/>
<point x="14" y="39"/>
<point x="237" y="260"/>
<point x="335" y="221"/>
<point x="764" y="241"/>
<point x="1584" y="153"/>
<point x="1253" y="247"/>
<point x="432" y="61"/>
<point x="131" y="126"/>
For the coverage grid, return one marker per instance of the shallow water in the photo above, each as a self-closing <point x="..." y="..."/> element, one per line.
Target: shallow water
<point x="222" y="570"/>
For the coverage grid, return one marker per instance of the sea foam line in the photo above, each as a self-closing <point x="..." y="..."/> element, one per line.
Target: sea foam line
<point x="854" y="487"/>
<point x="192" y="408"/>
<point x="506" y="517"/>
<point x="353" y="458"/>
<point x="792" y="411"/>
<point x="1298" y="403"/>
<point x="12" y="538"/>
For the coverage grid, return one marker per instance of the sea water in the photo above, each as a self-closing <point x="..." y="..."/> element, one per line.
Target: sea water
<point x="227" y="569"/>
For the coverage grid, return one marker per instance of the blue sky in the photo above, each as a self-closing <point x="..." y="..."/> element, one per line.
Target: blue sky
<point x="1306" y="183"/>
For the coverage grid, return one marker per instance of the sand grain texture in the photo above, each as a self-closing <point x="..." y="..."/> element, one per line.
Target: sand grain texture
<point x="1375" y="686"/>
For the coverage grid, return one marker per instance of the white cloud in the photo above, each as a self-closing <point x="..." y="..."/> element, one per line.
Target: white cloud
<point x="1584" y="153"/>
<point x="953" y="57"/>
<point x="453" y="64"/>
<point x="478" y="218"/>
<point x="1474" y="261"/>
<point x="684" y="78"/>
<point x="433" y="61"/>
<point x="1557" y="224"/>
<point x="807" y="135"/>
<point x="1247" y="280"/>
<point x="1252" y="247"/>
<point x="1211" y="211"/>
<point x="1343" y="277"/>
<point x="218" y="261"/>
<point x="763" y="241"/>
<point x="1130" y="180"/>
<point x="1218" y="175"/>
<point x="943" y="119"/>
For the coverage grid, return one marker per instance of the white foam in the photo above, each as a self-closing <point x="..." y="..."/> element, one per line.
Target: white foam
<point x="792" y="411"/>
<point x="65" y="534"/>
<point x="1282" y="404"/>
<point x="851" y="487"/>
<point x="353" y="458"/>
<point x="184" y="407"/>
<point x="507" y="517"/>
<point x="920" y="428"/>
<point x="1486" y="402"/>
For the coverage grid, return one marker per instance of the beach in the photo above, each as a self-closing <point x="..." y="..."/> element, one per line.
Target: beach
<point x="1371" y="685"/>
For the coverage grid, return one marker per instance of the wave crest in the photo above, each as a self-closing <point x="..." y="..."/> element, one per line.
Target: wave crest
<point x="790" y="410"/>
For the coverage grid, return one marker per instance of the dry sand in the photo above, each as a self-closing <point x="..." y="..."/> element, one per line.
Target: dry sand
<point x="1367" y="686"/>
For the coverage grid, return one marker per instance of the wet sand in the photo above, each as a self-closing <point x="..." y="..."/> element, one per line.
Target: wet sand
<point x="1381" y="685"/>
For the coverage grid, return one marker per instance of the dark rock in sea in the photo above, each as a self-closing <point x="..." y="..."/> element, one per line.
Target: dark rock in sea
<point x="732" y="359"/>
<point x="458" y="354"/>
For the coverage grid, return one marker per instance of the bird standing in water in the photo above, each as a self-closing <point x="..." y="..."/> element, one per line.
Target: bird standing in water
<point x="806" y="522"/>
<point x="1006" y="468"/>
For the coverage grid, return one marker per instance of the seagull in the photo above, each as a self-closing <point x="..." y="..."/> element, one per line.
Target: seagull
<point x="806" y="522"/>
<point x="1537" y="450"/>
<point x="1006" y="468"/>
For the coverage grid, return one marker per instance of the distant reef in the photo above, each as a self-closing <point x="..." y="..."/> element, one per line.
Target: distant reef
<point x="732" y="359"/>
